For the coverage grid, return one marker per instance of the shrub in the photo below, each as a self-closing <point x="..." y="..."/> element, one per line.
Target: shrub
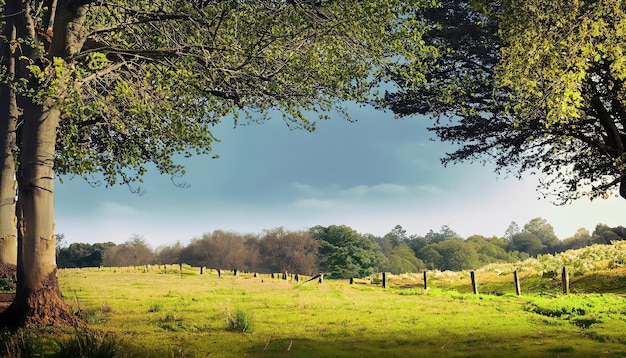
<point x="240" y="322"/>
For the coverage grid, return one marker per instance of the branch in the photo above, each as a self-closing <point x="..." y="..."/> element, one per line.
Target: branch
<point x="102" y="73"/>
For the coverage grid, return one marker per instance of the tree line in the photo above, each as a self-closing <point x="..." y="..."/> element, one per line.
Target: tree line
<point x="339" y="250"/>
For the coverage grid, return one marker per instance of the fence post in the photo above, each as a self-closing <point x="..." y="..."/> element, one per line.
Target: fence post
<point x="201" y="270"/>
<point x="321" y="279"/>
<point x="474" y="285"/>
<point x="425" y="282"/>
<point x="565" y="281"/>
<point x="518" y="290"/>
<point x="384" y="280"/>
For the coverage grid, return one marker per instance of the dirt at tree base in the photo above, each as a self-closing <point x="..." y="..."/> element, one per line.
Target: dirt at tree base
<point x="41" y="308"/>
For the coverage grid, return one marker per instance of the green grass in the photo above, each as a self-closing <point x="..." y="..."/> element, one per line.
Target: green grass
<point x="136" y="313"/>
<point x="154" y="314"/>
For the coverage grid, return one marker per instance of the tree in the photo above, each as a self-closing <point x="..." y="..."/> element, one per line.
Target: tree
<point x="169" y="254"/>
<point x="109" y="88"/>
<point x="345" y="253"/>
<point x="457" y="255"/>
<point x="133" y="252"/>
<point x="489" y="249"/>
<point x="82" y="255"/>
<point x="527" y="242"/>
<point x="511" y="230"/>
<point x="295" y="252"/>
<point x="219" y="250"/>
<point x="532" y="86"/>
<point x="416" y="243"/>
<point x="431" y="257"/>
<point x="403" y="260"/>
<point x="581" y="238"/>
<point x="603" y="234"/>
<point x="540" y="228"/>
<point x="445" y="233"/>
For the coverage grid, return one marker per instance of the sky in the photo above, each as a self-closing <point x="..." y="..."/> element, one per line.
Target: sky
<point x="371" y="175"/>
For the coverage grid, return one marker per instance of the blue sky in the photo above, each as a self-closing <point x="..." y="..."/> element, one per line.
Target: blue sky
<point x="371" y="175"/>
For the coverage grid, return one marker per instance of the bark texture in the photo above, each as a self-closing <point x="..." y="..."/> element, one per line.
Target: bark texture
<point x="38" y="301"/>
<point x="9" y="113"/>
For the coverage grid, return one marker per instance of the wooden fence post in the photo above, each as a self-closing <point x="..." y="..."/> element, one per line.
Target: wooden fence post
<point x="201" y="270"/>
<point x="219" y="273"/>
<point x="384" y="280"/>
<point x="565" y="281"/>
<point x="425" y="282"/>
<point x="297" y="278"/>
<point x="518" y="290"/>
<point x="474" y="285"/>
<point x="321" y="279"/>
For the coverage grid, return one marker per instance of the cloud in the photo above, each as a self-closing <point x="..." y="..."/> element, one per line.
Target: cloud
<point x="108" y="208"/>
<point x="338" y="198"/>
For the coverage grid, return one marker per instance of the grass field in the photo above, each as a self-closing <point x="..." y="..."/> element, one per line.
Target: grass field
<point x="168" y="314"/>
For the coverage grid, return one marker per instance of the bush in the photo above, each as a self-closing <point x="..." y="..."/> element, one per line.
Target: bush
<point x="241" y="321"/>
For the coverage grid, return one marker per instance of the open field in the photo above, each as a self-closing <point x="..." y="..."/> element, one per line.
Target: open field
<point x="158" y="314"/>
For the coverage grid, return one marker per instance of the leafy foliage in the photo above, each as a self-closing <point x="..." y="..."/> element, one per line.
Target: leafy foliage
<point x="530" y="85"/>
<point x="345" y="253"/>
<point x="142" y="82"/>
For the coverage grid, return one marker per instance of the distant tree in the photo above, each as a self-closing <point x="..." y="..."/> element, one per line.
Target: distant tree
<point x="345" y="253"/>
<point x="430" y="256"/>
<point x="457" y="255"/>
<point x="416" y="243"/>
<point x="528" y="243"/>
<point x="445" y="233"/>
<point x="218" y="250"/>
<point x="82" y="255"/>
<point x="402" y="259"/>
<point x="603" y="234"/>
<point x="581" y="238"/>
<point x="133" y="252"/>
<point x="489" y="250"/>
<point x="511" y="230"/>
<point x="295" y="252"/>
<point x="540" y="228"/>
<point x="169" y="254"/>
<point x="60" y="242"/>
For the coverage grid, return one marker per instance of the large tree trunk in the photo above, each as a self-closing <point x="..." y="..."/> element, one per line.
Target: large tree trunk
<point x="38" y="300"/>
<point x="9" y="113"/>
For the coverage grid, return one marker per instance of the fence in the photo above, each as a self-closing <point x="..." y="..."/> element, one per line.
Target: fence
<point x="385" y="280"/>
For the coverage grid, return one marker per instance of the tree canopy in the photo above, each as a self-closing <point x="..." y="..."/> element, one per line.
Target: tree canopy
<point x="345" y="253"/>
<point x="107" y="90"/>
<point x="532" y="86"/>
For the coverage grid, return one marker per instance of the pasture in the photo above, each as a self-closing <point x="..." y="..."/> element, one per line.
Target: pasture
<point x="158" y="313"/>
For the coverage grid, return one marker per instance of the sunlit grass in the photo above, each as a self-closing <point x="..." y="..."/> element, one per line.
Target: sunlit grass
<point x="156" y="314"/>
<point x="169" y="312"/>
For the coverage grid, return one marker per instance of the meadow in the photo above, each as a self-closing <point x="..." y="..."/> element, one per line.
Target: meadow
<point x="158" y="312"/>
